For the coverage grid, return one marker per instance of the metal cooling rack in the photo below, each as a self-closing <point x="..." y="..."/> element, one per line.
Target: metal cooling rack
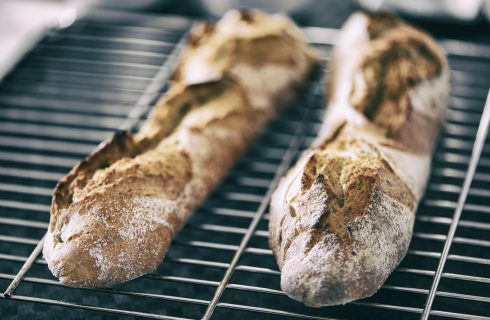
<point x="104" y="72"/>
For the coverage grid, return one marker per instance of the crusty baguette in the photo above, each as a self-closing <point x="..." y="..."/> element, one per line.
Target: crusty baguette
<point x="342" y="218"/>
<point x="115" y="214"/>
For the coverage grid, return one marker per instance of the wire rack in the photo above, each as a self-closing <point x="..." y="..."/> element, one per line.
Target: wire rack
<point x="105" y="71"/>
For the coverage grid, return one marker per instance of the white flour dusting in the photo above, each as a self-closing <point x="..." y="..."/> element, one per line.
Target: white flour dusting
<point x="337" y="268"/>
<point x="136" y="227"/>
<point x="143" y="216"/>
<point x="430" y="98"/>
<point x="103" y="264"/>
<point x="262" y="82"/>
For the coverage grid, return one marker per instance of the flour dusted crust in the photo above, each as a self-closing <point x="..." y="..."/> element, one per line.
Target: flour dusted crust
<point x="236" y="46"/>
<point x="115" y="214"/>
<point x="342" y="218"/>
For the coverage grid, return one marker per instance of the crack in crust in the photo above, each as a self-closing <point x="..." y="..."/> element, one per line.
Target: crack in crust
<point x="336" y="187"/>
<point x="120" y="145"/>
<point x="344" y="190"/>
<point x="397" y="60"/>
<point x="114" y="215"/>
<point x="341" y="219"/>
<point x="120" y="156"/>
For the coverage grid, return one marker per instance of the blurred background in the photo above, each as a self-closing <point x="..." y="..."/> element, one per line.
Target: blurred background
<point x="22" y="23"/>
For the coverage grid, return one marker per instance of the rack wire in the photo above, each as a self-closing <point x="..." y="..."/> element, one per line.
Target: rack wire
<point x="104" y="73"/>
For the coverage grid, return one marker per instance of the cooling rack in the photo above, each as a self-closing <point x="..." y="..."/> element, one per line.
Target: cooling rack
<point x="105" y="72"/>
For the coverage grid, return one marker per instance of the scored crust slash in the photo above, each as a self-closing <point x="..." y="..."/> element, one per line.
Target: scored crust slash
<point x="115" y="214"/>
<point x="342" y="218"/>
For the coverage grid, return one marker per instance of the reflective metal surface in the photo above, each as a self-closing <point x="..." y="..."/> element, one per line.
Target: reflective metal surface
<point x="80" y="85"/>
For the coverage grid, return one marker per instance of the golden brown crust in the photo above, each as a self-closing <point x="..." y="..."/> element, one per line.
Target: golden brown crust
<point x="97" y="250"/>
<point x="341" y="219"/>
<point x="343" y="175"/>
<point x="120" y="145"/>
<point x="114" y="215"/>
<point x="394" y="64"/>
<point x="379" y="23"/>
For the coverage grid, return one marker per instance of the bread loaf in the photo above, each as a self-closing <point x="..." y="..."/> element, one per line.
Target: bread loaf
<point x="341" y="220"/>
<point x="115" y="214"/>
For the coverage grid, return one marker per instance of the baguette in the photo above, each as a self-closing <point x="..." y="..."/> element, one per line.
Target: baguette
<point x="115" y="214"/>
<point x="341" y="220"/>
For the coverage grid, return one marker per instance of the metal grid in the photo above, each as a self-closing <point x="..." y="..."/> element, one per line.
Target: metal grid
<point x="81" y="84"/>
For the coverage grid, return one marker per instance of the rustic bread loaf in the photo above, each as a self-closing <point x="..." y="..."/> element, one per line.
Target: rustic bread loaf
<point x="341" y="219"/>
<point x="115" y="214"/>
